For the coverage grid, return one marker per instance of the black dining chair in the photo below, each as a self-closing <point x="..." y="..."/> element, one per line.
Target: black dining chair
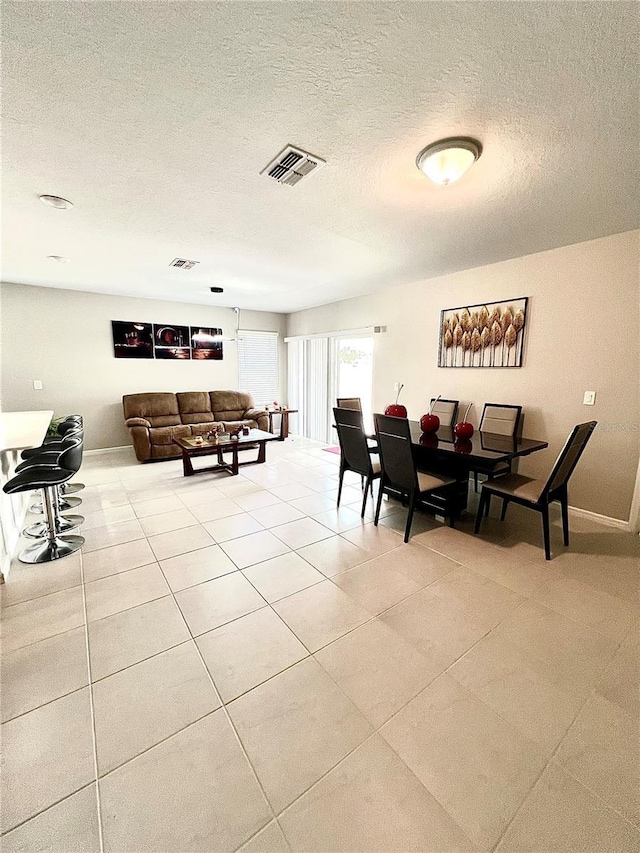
<point x="446" y="410"/>
<point x="498" y="419"/>
<point x="538" y="494"/>
<point x="349" y="403"/>
<point x="399" y="472"/>
<point x="355" y="454"/>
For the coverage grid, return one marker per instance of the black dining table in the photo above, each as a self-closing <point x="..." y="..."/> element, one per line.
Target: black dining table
<point x="443" y="453"/>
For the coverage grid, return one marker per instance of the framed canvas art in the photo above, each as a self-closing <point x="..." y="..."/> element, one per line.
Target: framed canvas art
<point x="206" y="343"/>
<point x="171" y="342"/>
<point x="132" y="340"/>
<point x="490" y="334"/>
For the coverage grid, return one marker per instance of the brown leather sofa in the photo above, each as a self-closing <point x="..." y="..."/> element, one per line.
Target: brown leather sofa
<point x="156" y="418"/>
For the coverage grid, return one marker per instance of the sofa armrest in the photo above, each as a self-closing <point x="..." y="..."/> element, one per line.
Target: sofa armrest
<point x="141" y="442"/>
<point x="260" y="417"/>
<point x="254" y="414"/>
<point x="142" y="422"/>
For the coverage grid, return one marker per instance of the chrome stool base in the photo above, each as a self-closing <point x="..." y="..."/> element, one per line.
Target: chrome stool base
<point x="71" y="488"/>
<point x="65" y="503"/>
<point x="64" y="524"/>
<point x="51" y="549"/>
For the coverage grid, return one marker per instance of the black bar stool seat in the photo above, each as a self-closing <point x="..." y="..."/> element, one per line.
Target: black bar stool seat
<point x="45" y="477"/>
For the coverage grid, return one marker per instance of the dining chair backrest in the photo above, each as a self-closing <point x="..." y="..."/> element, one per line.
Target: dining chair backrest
<point x="446" y="410"/>
<point x="501" y="420"/>
<point x="353" y="440"/>
<point x="349" y="403"/>
<point x="569" y="456"/>
<point x="396" y="455"/>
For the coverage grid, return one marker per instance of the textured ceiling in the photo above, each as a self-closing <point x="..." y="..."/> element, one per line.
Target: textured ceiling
<point x="155" y="119"/>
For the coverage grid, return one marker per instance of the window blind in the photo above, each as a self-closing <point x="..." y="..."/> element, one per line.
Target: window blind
<point x="258" y="366"/>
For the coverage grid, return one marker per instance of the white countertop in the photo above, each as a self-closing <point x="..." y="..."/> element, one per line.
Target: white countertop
<point x="23" y="429"/>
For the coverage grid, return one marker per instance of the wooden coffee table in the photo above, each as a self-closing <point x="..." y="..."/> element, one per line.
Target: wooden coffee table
<point x="256" y="440"/>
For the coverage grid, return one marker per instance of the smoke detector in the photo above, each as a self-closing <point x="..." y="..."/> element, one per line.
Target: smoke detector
<point x="291" y="166"/>
<point x="183" y="263"/>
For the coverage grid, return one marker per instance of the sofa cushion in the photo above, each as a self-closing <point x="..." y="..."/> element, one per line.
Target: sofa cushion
<point x="195" y="407"/>
<point x="230" y="405"/>
<point x="230" y="425"/>
<point x="159" y="408"/>
<point x="165" y="435"/>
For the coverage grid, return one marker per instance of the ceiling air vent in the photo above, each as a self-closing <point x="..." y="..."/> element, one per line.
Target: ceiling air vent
<point x="291" y="166"/>
<point x="183" y="263"/>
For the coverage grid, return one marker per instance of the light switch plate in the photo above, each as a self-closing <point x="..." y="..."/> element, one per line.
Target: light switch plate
<point x="589" y="398"/>
<point x="37" y="384"/>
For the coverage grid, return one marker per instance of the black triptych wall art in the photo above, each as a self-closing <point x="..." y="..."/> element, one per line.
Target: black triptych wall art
<point x="154" y="340"/>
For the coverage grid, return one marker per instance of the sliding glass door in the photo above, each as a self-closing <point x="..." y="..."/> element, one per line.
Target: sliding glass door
<point x="320" y="370"/>
<point x="353" y="370"/>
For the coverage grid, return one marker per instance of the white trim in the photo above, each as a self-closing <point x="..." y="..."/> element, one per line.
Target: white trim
<point x="634" y="512"/>
<point x="100" y="450"/>
<point x="620" y="523"/>
<point x="342" y="333"/>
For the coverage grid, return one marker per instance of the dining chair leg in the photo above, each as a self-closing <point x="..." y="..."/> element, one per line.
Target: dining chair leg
<point x="480" y="513"/>
<point x="475" y="481"/>
<point x="545" y="531"/>
<point x="503" y="512"/>
<point x="564" y="503"/>
<point x="379" y="504"/>
<point x="488" y="505"/>
<point x="365" y="496"/>
<point x="412" y="506"/>
<point x="340" y="485"/>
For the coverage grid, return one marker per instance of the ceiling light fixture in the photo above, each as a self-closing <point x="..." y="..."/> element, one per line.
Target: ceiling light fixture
<point x="59" y="258"/>
<point x="446" y="161"/>
<point x="216" y="289"/>
<point x="56" y="201"/>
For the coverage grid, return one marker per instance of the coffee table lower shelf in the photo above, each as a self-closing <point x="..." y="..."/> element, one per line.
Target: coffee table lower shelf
<point x="256" y="440"/>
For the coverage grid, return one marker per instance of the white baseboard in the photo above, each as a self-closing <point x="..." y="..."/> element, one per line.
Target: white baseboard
<point x="100" y="450"/>
<point x="601" y="519"/>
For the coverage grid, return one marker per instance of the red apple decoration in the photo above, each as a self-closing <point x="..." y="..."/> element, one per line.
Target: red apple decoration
<point x="463" y="429"/>
<point x="395" y="410"/>
<point x="429" y="423"/>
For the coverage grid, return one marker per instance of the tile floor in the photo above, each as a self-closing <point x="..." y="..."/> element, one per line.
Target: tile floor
<point x="233" y="664"/>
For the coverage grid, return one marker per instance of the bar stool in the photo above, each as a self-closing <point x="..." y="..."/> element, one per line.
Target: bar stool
<point x="50" y="456"/>
<point x="72" y="425"/>
<point x="47" y="477"/>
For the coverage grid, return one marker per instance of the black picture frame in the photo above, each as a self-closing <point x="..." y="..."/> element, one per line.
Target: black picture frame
<point x="488" y="334"/>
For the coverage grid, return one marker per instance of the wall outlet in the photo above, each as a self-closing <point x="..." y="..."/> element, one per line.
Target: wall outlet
<point x="37" y="384"/>
<point x="589" y="398"/>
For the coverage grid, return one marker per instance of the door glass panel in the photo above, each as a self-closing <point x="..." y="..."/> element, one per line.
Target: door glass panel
<point x="355" y="371"/>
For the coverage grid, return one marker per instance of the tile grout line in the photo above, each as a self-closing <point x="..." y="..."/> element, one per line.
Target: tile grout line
<point x="223" y="707"/>
<point x="92" y="709"/>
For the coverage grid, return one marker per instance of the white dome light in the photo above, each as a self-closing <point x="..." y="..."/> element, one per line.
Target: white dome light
<point x="446" y="161"/>
<point x="56" y="201"/>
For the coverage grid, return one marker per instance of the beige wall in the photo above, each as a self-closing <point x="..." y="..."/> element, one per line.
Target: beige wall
<point x="63" y="337"/>
<point x="582" y="335"/>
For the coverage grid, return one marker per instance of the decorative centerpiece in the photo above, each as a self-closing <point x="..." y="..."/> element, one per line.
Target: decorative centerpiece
<point x="463" y="429"/>
<point x="430" y="423"/>
<point x="395" y="410"/>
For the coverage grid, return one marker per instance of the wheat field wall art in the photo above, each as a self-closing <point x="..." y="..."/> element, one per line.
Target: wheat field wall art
<point x="487" y="335"/>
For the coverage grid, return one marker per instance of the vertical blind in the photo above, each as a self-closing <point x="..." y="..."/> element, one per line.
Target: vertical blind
<point x="308" y="386"/>
<point x="258" y="366"/>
